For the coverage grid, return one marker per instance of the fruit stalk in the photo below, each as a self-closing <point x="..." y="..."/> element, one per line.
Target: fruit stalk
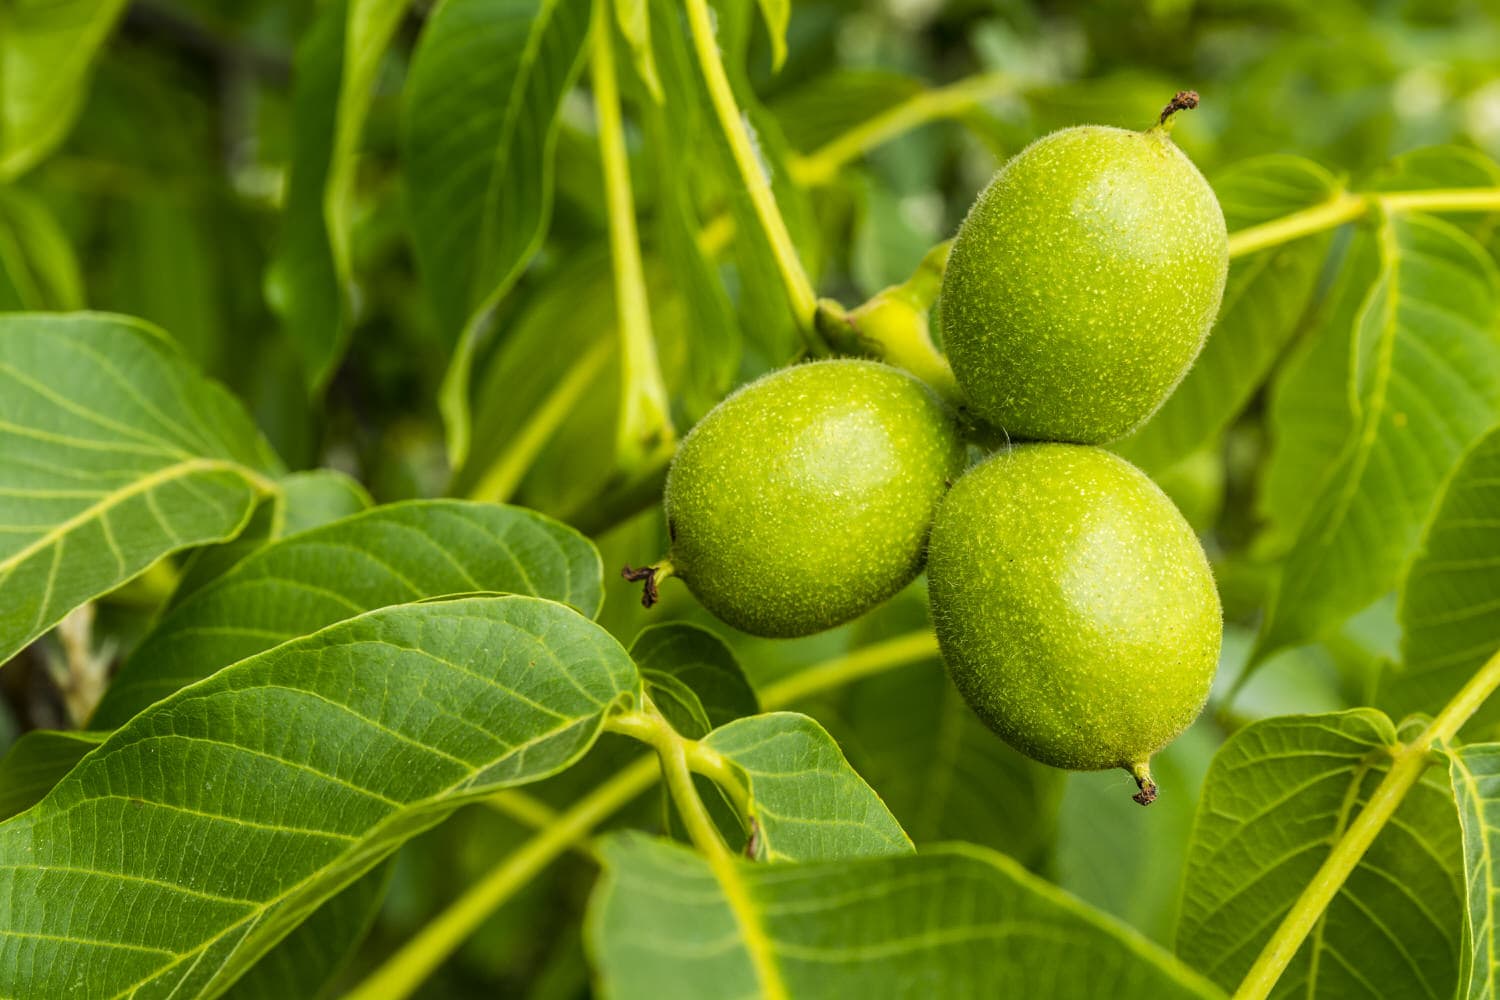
<point x="953" y="101"/>
<point x="893" y="326"/>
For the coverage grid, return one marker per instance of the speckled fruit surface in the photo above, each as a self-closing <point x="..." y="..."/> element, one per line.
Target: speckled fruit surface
<point x="1075" y="608"/>
<point x="1083" y="283"/>
<point x="805" y="498"/>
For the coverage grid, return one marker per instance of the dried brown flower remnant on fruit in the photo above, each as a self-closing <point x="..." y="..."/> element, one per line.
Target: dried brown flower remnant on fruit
<point x="1183" y="100"/>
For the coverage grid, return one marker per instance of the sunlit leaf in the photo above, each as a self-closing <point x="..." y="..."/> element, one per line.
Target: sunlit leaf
<point x="1451" y="593"/>
<point x="956" y="921"/>
<point x="389" y="555"/>
<point x="1475" y="772"/>
<point x="1427" y="378"/>
<point x="764" y="311"/>
<point x="634" y="19"/>
<point x="1278" y="795"/>
<point x="806" y="802"/>
<point x="325" y="753"/>
<point x="1443" y="167"/>
<point x="707" y="344"/>
<point x="1309" y="403"/>
<point x="777" y="14"/>
<point x="114" y="452"/>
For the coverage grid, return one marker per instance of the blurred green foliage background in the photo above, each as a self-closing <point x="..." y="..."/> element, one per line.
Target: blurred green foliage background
<point x="165" y="202"/>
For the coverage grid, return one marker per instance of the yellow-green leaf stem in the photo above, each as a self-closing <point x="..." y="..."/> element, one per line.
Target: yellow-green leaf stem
<point x="503" y="477"/>
<point x="645" y="414"/>
<point x="893" y="326"/>
<point x="752" y="172"/>
<point x="1409" y="761"/>
<point x="822" y="166"/>
<point x="677" y="768"/>
<point x="1347" y="207"/>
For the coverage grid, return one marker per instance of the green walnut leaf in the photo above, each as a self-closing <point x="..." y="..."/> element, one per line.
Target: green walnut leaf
<point x="634" y="19"/>
<point x="306" y="961"/>
<point x="389" y="555"/>
<point x="693" y="677"/>
<point x="1444" y="167"/>
<point x="1426" y="379"/>
<point x="956" y="920"/>
<point x="805" y="802"/>
<point x="232" y="810"/>
<point x="38" y="269"/>
<point x="777" y="15"/>
<point x="1277" y="796"/>
<point x="1311" y="404"/>
<point x="1475" y="772"/>
<point x="304" y="500"/>
<point x="1264" y="300"/>
<point x="46" y="56"/>
<point x="335" y="74"/>
<point x="114" y="452"/>
<point x="1311" y="412"/>
<point x="944" y="774"/>
<point x="36" y="762"/>
<point x="1451" y="592"/>
<point x="479" y="125"/>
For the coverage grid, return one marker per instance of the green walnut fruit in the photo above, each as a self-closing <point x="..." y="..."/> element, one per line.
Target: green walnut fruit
<point x="1074" y="606"/>
<point x="805" y="499"/>
<point x="1083" y="283"/>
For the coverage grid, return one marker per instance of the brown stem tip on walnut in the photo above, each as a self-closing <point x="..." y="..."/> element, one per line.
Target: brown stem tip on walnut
<point x="651" y="576"/>
<point x="1142" y="775"/>
<point x="1183" y="100"/>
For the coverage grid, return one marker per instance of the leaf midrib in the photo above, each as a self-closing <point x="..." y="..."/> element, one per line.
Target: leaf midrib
<point x="437" y="801"/>
<point x="114" y="498"/>
<point x="501" y="158"/>
<point x="1476" y="801"/>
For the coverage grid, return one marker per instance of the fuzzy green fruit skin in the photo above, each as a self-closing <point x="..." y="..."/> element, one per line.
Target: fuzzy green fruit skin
<point x="1083" y="283"/>
<point x="805" y="499"/>
<point x="1074" y="606"/>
